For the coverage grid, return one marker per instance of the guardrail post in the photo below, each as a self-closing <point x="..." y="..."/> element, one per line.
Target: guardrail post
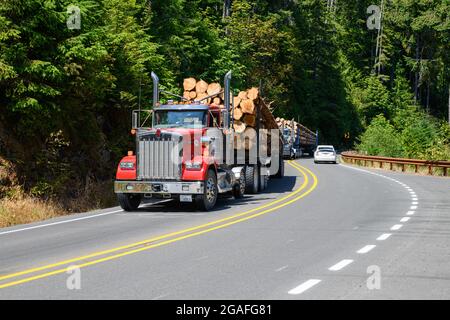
<point x="445" y="171"/>
<point x="403" y="167"/>
<point x="430" y="169"/>
<point x="390" y="165"/>
<point x="417" y="168"/>
<point x="381" y="164"/>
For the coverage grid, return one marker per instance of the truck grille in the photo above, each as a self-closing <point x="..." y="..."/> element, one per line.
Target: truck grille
<point x="159" y="157"/>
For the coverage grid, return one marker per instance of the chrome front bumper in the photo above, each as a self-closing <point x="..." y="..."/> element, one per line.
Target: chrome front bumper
<point x="159" y="187"/>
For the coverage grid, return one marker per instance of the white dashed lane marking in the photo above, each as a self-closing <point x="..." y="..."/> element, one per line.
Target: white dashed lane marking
<point x="384" y="236"/>
<point x="304" y="286"/>
<point x="366" y="249"/>
<point x="340" y="265"/>
<point x="345" y="262"/>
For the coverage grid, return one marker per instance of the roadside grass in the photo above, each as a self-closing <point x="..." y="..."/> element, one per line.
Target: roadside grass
<point x="21" y="208"/>
<point x="27" y="209"/>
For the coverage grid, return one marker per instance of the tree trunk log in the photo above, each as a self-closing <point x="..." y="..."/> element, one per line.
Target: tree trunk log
<point x="189" y="84"/>
<point x="252" y="93"/>
<point x="239" y="126"/>
<point x="192" y="95"/>
<point x="242" y="95"/>
<point x="213" y="88"/>
<point x="236" y="101"/>
<point x="237" y="114"/>
<point x="248" y="106"/>
<point x="201" y="87"/>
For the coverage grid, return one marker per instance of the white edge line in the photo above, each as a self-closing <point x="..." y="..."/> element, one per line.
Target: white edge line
<point x="72" y="220"/>
<point x="396" y="226"/>
<point x="410" y="213"/>
<point x="404" y="219"/>
<point x="304" y="286"/>
<point x="60" y="222"/>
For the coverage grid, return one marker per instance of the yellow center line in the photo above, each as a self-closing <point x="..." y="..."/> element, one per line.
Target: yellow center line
<point x="296" y="166"/>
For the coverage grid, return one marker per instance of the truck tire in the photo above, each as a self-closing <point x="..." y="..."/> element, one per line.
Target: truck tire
<point x="280" y="172"/>
<point x="251" y="179"/>
<point x="263" y="179"/>
<point x="239" y="189"/>
<point x="129" y="201"/>
<point x="208" y="199"/>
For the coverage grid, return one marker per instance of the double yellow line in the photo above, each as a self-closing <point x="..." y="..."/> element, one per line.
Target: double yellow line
<point x="147" y="244"/>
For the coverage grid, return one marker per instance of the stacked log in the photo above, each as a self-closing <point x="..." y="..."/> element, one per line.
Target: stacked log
<point x="202" y="92"/>
<point x="307" y="137"/>
<point x="243" y="108"/>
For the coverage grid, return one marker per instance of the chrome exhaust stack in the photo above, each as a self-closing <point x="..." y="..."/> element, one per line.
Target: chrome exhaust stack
<point x="155" y="89"/>
<point x="227" y="80"/>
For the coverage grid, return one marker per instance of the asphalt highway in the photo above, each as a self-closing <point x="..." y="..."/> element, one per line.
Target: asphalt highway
<point x="325" y="231"/>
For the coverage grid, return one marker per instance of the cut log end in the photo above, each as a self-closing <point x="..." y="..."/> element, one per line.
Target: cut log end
<point x="201" y="87"/>
<point x="248" y="106"/>
<point x="252" y="93"/>
<point x="237" y="113"/>
<point x="189" y="84"/>
<point x="239" y="126"/>
<point x="213" y="88"/>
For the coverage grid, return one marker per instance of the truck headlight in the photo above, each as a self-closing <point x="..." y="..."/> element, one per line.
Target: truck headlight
<point x="127" y="165"/>
<point x="193" y="165"/>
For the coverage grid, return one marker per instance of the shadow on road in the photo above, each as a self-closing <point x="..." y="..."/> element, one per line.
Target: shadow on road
<point x="226" y="201"/>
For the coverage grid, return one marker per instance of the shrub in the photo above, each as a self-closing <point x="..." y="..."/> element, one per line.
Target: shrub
<point x="380" y="139"/>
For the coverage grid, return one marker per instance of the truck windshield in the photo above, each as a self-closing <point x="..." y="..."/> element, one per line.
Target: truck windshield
<point x="180" y="118"/>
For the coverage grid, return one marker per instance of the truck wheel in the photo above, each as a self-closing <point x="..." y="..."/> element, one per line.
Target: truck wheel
<point x="207" y="200"/>
<point x="280" y="172"/>
<point x="251" y="179"/>
<point x="129" y="201"/>
<point x="239" y="189"/>
<point x="263" y="179"/>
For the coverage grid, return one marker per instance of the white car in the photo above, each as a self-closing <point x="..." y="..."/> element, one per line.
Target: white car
<point x="325" y="153"/>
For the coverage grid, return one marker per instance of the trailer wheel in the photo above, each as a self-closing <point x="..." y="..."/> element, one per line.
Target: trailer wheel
<point x="251" y="179"/>
<point x="129" y="201"/>
<point x="263" y="179"/>
<point x="207" y="200"/>
<point x="280" y="172"/>
<point x="239" y="189"/>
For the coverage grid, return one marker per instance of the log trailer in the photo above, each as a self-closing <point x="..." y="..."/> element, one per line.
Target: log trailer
<point x="298" y="139"/>
<point x="176" y="156"/>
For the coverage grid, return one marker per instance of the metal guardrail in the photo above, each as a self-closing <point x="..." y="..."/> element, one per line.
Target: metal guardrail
<point x="352" y="157"/>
